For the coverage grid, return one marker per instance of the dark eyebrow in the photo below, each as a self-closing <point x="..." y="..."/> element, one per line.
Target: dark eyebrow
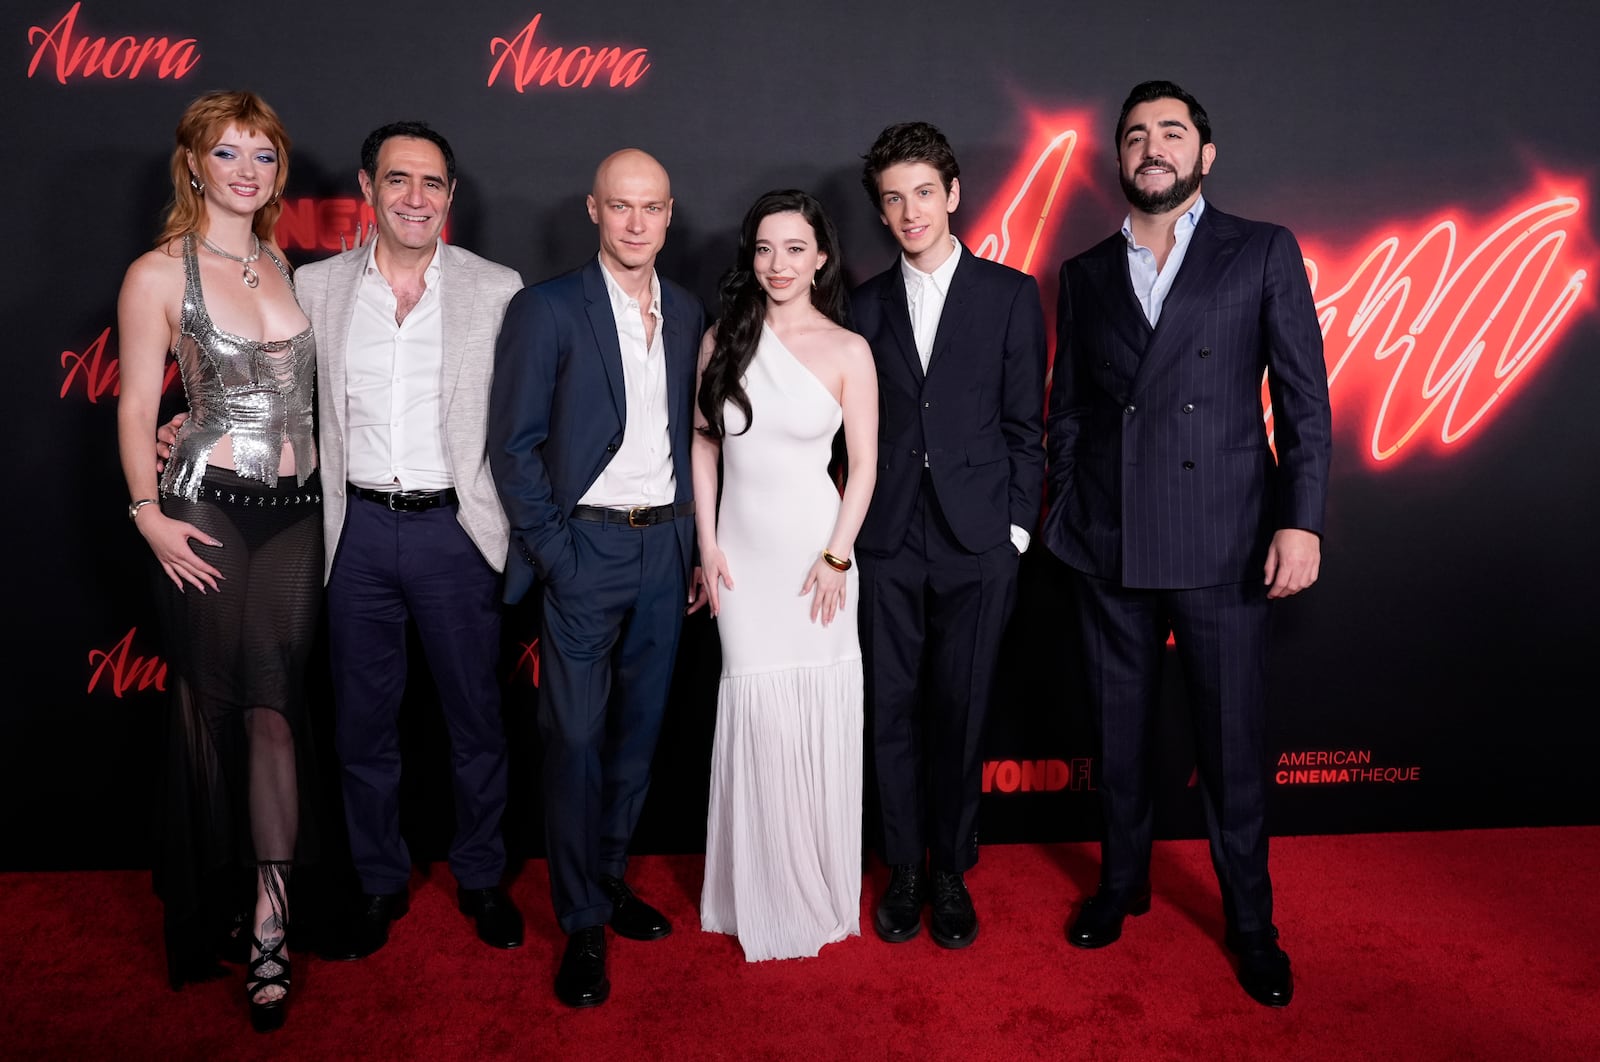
<point x="392" y="172"/>
<point x="1165" y="123"/>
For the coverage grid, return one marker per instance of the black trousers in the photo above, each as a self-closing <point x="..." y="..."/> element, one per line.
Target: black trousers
<point x="932" y="617"/>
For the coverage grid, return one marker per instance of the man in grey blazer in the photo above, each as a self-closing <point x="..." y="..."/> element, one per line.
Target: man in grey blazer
<point x="405" y="329"/>
<point x="1174" y="509"/>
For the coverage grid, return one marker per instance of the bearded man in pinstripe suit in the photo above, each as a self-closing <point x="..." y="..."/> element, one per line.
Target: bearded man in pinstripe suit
<point x="1172" y="509"/>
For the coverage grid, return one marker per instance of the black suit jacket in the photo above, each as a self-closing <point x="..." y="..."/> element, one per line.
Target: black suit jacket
<point x="977" y="413"/>
<point x="1161" y="474"/>
<point x="558" y="410"/>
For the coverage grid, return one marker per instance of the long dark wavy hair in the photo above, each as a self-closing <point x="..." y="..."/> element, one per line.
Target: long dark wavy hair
<point x="744" y="304"/>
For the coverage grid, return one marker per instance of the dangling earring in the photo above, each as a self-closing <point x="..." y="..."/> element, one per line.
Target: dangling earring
<point x="197" y="184"/>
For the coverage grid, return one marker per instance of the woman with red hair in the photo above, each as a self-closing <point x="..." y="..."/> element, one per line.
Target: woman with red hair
<point x="235" y="528"/>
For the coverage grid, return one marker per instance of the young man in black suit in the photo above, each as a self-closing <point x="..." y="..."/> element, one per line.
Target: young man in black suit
<point x="959" y="345"/>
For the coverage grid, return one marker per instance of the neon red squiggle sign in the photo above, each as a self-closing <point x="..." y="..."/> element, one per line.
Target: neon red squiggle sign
<point x="1453" y="312"/>
<point x="1438" y="320"/>
<point x="1013" y="230"/>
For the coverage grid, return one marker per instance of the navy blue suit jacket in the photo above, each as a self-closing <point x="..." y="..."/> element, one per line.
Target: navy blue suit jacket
<point x="558" y="411"/>
<point x="977" y="413"/>
<point x="1161" y="475"/>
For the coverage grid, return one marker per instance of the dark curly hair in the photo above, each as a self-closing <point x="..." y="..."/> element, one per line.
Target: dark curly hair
<point x="908" y="142"/>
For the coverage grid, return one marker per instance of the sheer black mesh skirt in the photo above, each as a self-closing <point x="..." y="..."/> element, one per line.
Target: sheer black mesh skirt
<point x="239" y="771"/>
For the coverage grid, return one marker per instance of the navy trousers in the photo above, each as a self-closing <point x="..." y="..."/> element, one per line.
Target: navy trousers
<point x="1221" y="638"/>
<point x="607" y="646"/>
<point x="420" y="566"/>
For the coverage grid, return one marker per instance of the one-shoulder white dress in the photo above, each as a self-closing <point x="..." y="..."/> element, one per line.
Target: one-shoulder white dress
<point x="783" y="844"/>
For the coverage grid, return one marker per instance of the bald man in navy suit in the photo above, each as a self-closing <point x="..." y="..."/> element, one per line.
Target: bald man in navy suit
<point x="1172" y="509"/>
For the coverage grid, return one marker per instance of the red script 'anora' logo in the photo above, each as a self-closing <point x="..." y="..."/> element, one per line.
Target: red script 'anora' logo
<point x="101" y="374"/>
<point x="577" y="67"/>
<point x="124" y="57"/>
<point x="124" y="670"/>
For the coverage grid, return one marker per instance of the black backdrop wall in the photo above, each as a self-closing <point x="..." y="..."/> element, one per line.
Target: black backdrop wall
<point x="1437" y="162"/>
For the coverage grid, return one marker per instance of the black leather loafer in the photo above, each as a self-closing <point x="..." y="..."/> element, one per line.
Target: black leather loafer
<point x="631" y="917"/>
<point x="954" y="922"/>
<point x="898" y="916"/>
<point x="368" y="927"/>
<point x="499" y="921"/>
<point x="1263" y="970"/>
<point x="1099" y="921"/>
<point x="581" y="981"/>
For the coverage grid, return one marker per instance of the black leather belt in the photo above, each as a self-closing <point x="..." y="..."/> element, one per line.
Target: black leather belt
<point x="406" y="501"/>
<point x="638" y="516"/>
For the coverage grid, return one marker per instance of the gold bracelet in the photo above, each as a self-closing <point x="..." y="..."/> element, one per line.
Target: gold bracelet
<point x="838" y="564"/>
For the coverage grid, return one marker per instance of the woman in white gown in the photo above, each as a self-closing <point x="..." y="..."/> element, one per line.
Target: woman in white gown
<point x="779" y="375"/>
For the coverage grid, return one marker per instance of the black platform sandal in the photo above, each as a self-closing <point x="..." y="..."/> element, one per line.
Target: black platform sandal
<point x="270" y="969"/>
<point x="268" y="1015"/>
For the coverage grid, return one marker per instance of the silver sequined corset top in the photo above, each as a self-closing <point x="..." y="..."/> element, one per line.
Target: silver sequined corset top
<point x="259" y="393"/>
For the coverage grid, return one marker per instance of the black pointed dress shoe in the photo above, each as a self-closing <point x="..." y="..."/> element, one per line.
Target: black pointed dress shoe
<point x="582" y="981"/>
<point x="1099" y="922"/>
<point x="954" y="923"/>
<point x="367" y="928"/>
<point x="631" y="917"/>
<point x="499" y="921"/>
<point x="898" y="916"/>
<point x="1263" y="970"/>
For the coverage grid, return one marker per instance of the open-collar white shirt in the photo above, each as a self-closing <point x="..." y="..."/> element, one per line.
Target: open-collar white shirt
<point x="640" y="472"/>
<point x="394" y="386"/>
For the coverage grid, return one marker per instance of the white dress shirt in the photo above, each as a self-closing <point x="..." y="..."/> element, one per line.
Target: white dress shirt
<point x="1149" y="284"/>
<point x="394" y="387"/>
<point x="925" y="298"/>
<point x="640" y="472"/>
<point x="925" y="295"/>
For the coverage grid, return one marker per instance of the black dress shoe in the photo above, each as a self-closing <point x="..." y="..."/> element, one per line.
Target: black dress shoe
<point x="954" y="924"/>
<point x="631" y="917"/>
<point x="1263" y="967"/>
<point x="581" y="981"/>
<point x="1099" y="922"/>
<point x="898" y="917"/>
<point x="368" y="927"/>
<point x="499" y="921"/>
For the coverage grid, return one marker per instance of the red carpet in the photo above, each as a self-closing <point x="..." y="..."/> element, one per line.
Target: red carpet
<point x="1477" y="944"/>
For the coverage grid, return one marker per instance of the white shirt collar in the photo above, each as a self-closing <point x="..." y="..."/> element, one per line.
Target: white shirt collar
<point x="941" y="275"/>
<point x="430" y="275"/>
<point x="1181" y="228"/>
<point x="621" y="301"/>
